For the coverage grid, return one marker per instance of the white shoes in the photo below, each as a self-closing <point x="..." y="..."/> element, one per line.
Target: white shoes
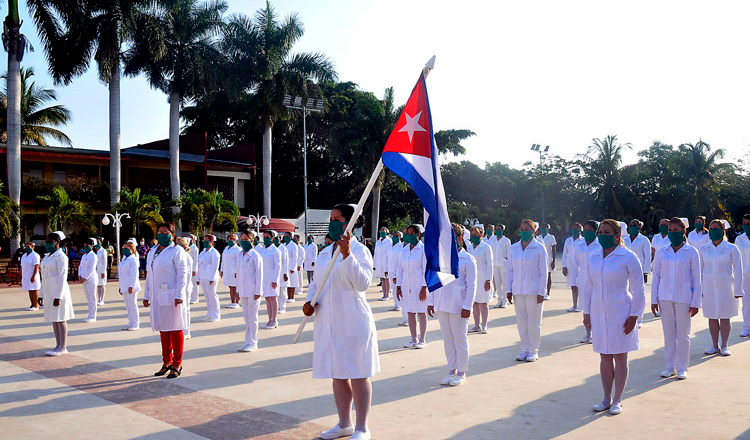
<point x="410" y="344"/>
<point x="447" y="380"/>
<point x="572" y="309"/>
<point x="337" y="432"/>
<point x="88" y="320"/>
<point x="522" y="356"/>
<point x="458" y="380"/>
<point x="31" y="309"/>
<point x="682" y="375"/>
<point x="601" y="406"/>
<point x="188" y="336"/>
<point x="271" y="325"/>
<point x="359" y="435"/>
<point x="56" y="352"/>
<point x="282" y="310"/>
<point x="232" y="306"/>
<point x="100" y="303"/>
<point x="546" y="297"/>
<point x="395" y="309"/>
<point x="532" y="357"/>
<point x="657" y="314"/>
<point x="403" y="323"/>
<point x="475" y="330"/>
<point x="249" y="348"/>
<point x="615" y="409"/>
<point x="291" y="300"/>
<point x="585" y="340"/>
<point x="193" y="302"/>
<point x="712" y="350"/>
<point x="484" y="330"/>
<point x="669" y="372"/>
<point x="745" y="333"/>
<point x="383" y="298"/>
<point x="725" y="351"/>
<point x="132" y="329"/>
<point x="420" y="345"/>
<point x="213" y="319"/>
<point x="502" y="304"/>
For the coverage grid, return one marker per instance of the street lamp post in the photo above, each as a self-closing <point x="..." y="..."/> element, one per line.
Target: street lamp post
<point x="538" y="147"/>
<point x="256" y="221"/>
<point x="117" y="219"/>
<point x="312" y="105"/>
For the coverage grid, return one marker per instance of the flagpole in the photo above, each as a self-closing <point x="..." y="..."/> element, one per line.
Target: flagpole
<point x="357" y="211"/>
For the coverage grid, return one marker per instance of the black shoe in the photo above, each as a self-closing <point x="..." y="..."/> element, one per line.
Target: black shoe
<point x="163" y="371"/>
<point x="174" y="372"/>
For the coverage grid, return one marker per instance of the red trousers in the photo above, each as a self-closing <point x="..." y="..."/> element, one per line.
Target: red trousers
<point x="171" y="347"/>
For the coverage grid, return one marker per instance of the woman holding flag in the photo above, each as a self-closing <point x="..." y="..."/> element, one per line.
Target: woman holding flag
<point x="346" y="343"/>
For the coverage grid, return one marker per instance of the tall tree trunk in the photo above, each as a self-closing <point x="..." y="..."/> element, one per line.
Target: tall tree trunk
<point x="15" y="53"/>
<point x="174" y="149"/>
<point x="114" y="134"/>
<point x="375" y="214"/>
<point x="267" y="168"/>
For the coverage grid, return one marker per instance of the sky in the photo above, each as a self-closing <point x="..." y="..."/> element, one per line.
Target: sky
<point x="557" y="73"/>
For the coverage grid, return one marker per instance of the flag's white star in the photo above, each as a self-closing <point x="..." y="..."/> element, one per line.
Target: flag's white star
<point x="412" y="125"/>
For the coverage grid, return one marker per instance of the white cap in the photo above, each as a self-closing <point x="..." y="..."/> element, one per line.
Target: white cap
<point x="273" y="233"/>
<point x="726" y="224"/>
<point x="93" y="241"/>
<point x="132" y="240"/>
<point x="685" y="220"/>
<point x="536" y="226"/>
<point x="467" y="235"/>
<point x="480" y="226"/>
<point x="421" y="228"/>
<point x="60" y="234"/>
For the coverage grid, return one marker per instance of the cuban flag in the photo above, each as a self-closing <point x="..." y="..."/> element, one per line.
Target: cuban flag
<point x="411" y="153"/>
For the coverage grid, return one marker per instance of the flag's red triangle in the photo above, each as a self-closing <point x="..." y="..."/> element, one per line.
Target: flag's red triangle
<point x="413" y="133"/>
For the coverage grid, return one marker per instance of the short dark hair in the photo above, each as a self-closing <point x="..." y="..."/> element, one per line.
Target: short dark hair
<point x="54" y="237"/>
<point x="347" y="211"/>
<point x="746" y="216"/>
<point x="500" y="226"/>
<point x="414" y="228"/>
<point x="165" y="225"/>
<point x="592" y="224"/>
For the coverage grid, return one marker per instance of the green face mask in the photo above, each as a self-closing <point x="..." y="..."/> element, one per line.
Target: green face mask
<point x="276" y="241"/>
<point x="746" y="229"/>
<point x="97" y="247"/>
<point x="126" y="252"/>
<point x="699" y="226"/>
<point x="499" y="233"/>
<point x="663" y="229"/>
<point x="49" y="247"/>
<point x="575" y="234"/>
<point x="28" y="250"/>
<point x="676" y="238"/>
<point x="607" y="241"/>
<point x="206" y="244"/>
<point x="336" y="229"/>
<point x="411" y="238"/>
<point x="382" y="234"/>
<point x="527" y="235"/>
<point x="544" y="231"/>
<point x="87" y="249"/>
<point x="287" y="239"/>
<point x="309" y="241"/>
<point x="246" y="245"/>
<point x="163" y="239"/>
<point x="475" y="239"/>
<point x="256" y="242"/>
<point x="589" y="236"/>
<point x="230" y="243"/>
<point x="267" y="241"/>
<point x="394" y="239"/>
<point x="633" y="230"/>
<point x="715" y="234"/>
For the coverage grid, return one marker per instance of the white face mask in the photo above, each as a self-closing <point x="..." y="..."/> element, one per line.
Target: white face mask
<point x="142" y="243"/>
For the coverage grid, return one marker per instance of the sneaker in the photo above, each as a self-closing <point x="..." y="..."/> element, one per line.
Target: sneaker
<point x="657" y="314"/>
<point x="385" y="298"/>
<point x="615" y="409"/>
<point x="188" y="336"/>
<point x="458" y="380"/>
<point x="522" y="356"/>
<point x="31" y="309"/>
<point x="359" y="435"/>
<point x="546" y="297"/>
<point x="447" y="380"/>
<point x="420" y="345"/>
<point x="475" y="330"/>
<point x="57" y="353"/>
<point x="725" y="351"/>
<point x="395" y="309"/>
<point x="640" y="324"/>
<point x="213" y="319"/>
<point x="682" y="375"/>
<point x="88" y="320"/>
<point x="502" y="304"/>
<point x="291" y="300"/>
<point x="337" y="432"/>
<point x="572" y="309"/>
<point x="585" y="340"/>
<point x="100" y="303"/>
<point x="532" y="357"/>
<point x="229" y="306"/>
<point x="712" y="350"/>
<point x="745" y="333"/>
<point x="132" y="329"/>
<point x="601" y="406"/>
<point x="669" y="372"/>
<point x="484" y="330"/>
<point x="248" y="348"/>
<point x="271" y="325"/>
<point x="403" y="323"/>
<point x="283" y="310"/>
<point x="50" y="353"/>
<point x="410" y="344"/>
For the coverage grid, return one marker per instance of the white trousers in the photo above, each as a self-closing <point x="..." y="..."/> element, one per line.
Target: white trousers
<point x="746" y="301"/>
<point x="529" y="319"/>
<point x="675" y="320"/>
<point x="282" y="298"/>
<point x="89" y="289"/>
<point x="301" y="283"/>
<point x="250" y="314"/>
<point x="213" y="310"/>
<point x="455" y="340"/>
<point x="131" y="305"/>
<point x="100" y="291"/>
<point x="194" y="294"/>
<point x="498" y="273"/>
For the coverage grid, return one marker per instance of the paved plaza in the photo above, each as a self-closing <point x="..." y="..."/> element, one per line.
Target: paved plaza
<point x="105" y="387"/>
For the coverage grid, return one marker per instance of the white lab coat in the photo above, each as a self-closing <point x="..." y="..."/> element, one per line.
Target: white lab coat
<point x="459" y="294"/>
<point x="658" y="241"/>
<point x="569" y="259"/>
<point x="271" y="269"/>
<point x="697" y="240"/>
<point x="641" y="247"/>
<point x="87" y="268"/>
<point x="28" y="261"/>
<point x="293" y="257"/>
<point x="721" y="269"/>
<point x="346" y="342"/>
<point x="677" y="276"/>
<point x="500" y="250"/>
<point x="54" y="268"/>
<point x="311" y="254"/>
<point x="167" y="277"/>
<point x="549" y="241"/>
<point x="300" y="257"/>
<point x="617" y="293"/>
<point x="208" y="265"/>
<point x="284" y="266"/>
<point x="410" y="277"/>
<point x="194" y="252"/>
<point x="230" y="261"/>
<point x="482" y="254"/>
<point x="743" y="243"/>
<point x="250" y="274"/>
<point x="127" y="273"/>
<point x="382" y="248"/>
<point x="101" y="266"/>
<point x="581" y="269"/>
<point x="526" y="270"/>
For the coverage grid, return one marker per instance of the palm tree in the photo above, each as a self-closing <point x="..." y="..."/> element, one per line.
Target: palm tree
<point x="191" y="209"/>
<point x="73" y="31"/>
<point x="8" y="216"/>
<point x="700" y="169"/>
<point x="603" y="159"/>
<point x="63" y="211"/>
<point x="219" y="210"/>
<point x="260" y="53"/>
<point x="37" y="122"/>
<point x="141" y="207"/>
<point x="177" y="49"/>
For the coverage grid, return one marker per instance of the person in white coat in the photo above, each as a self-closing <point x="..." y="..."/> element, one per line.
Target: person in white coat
<point x="500" y="245"/>
<point x="300" y="263"/>
<point x="167" y="276"/>
<point x="101" y="271"/>
<point x="526" y="275"/>
<point x="194" y="253"/>
<point x="88" y="274"/>
<point x="56" y="299"/>
<point x="382" y="249"/>
<point x="617" y="300"/>
<point x="676" y="292"/>
<point x="394" y="260"/>
<point x="699" y="235"/>
<point x="30" y="279"/>
<point x="660" y="239"/>
<point x="284" y="280"/>
<point x="721" y="270"/>
<point x="250" y="287"/>
<point x="569" y="260"/>
<point x="482" y="254"/>
<point x="639" y="244"/>
<point x="411" y="287"/>
<point x="184" y="243"/>
<point x="271" y="276"/>
<point x="453" y="304"/>
<point x="293" y="257"/>
<point x="208" y="277"/>
<point x="743" y="244"/>
<point x="311" y="254"/>
<point x="346" y="342"/>
<point x="129" y="286"/>
<point x="550" y="243"/>
<point x="580" y="269"/>
<point x="228" y="269"/>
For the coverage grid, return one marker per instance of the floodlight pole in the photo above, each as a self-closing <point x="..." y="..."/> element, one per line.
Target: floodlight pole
<point x="538" y="147"/>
